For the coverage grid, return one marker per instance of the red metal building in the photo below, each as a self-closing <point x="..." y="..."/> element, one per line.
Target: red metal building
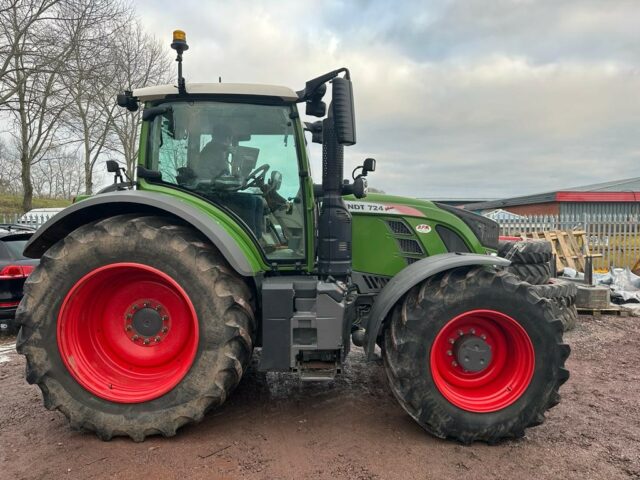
<point x="615" y="197"/>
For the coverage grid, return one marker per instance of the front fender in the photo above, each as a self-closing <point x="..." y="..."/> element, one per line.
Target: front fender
<point x="411" y="276"/>
<point x="146" y="203"/>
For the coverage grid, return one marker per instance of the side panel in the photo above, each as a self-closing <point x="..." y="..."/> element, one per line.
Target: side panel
<point x="211" y="222"/>
<point x="389" y="235"/>
<point x="375" y="248"/>
<point x="412" y="275"/>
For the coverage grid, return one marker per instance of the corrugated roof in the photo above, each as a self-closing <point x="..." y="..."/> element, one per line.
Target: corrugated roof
<point x="625" y="185"/>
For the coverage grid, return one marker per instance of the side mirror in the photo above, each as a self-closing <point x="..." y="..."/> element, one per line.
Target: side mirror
<point x="343" y="111"/>
<point x="369" y="165"/>
<point x="113" y="166"/>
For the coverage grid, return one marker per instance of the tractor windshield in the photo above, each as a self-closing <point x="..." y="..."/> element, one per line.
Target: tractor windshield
<point x="240" y="156"/>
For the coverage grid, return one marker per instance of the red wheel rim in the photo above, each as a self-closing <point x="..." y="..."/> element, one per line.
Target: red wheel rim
<point x="127" y="332"/>
<point x="501" y="380"/>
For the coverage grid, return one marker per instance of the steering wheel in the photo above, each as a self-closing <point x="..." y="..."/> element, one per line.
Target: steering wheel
<point x="256" y="178"/>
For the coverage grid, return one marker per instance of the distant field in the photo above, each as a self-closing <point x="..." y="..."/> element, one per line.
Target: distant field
<point x="13" y="204"/>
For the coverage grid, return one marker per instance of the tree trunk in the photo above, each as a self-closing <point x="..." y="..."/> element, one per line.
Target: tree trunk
<point x="88" y="168"/>
<point x="25" y="157"/>
<point x="27" y="187"/>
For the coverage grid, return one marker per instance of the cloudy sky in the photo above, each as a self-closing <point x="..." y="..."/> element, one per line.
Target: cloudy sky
<point x="467" y="98"/>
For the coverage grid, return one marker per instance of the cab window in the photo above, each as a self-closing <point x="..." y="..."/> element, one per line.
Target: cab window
<point x="242" y="157"/>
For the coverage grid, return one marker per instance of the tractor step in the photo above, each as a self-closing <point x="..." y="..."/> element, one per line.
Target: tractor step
<point x="316" y="371"/>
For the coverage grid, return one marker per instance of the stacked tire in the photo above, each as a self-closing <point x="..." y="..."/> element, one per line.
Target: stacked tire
<point x="530" y="259"/>
<point x="562" y="296"/>
<point x="531" y="262"/>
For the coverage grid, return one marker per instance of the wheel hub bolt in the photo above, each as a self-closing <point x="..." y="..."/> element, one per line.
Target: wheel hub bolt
<point x="483" y="336"/>
<point x="449" y="352"/>
<point x="473" y="354"/>
<point x="460" y="333"/>
<point x="452" y="341"/>
<point x="146" y="322"/>
<point x="473" y="331"/>
<point x="454" y="363"/>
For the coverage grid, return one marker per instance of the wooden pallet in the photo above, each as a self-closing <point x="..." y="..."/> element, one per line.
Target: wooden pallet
<point x="596" y="312"/>
<point x="570" y="247"/>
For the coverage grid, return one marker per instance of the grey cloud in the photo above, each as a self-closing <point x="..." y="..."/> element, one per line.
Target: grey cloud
<point x="455" y="98"/>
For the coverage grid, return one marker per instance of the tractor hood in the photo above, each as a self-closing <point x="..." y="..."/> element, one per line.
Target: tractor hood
<point x="479" y="233"/>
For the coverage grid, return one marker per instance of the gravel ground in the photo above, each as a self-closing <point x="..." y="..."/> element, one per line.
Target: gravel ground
<point x="275" y="427"/>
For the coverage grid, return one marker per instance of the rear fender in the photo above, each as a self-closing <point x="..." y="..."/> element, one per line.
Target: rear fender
<point x="242" y="256"/>
<point x="411" y="276"/>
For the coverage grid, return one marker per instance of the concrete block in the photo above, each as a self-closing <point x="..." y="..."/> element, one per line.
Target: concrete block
<point x="592" y="297"/>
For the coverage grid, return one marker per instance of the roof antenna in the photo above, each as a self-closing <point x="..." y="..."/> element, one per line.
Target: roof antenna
<point x="219" y="79"/>
<point x="179" y="44"/>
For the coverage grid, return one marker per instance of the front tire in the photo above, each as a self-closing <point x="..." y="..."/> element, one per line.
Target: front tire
<point x="490" y="319"/>
<point x="135" y="326"/>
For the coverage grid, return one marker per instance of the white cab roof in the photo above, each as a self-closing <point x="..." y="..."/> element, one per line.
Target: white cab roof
<point x="161" y="91"/>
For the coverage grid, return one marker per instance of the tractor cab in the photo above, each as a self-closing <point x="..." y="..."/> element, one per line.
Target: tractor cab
<point x="239" y="151"/>
<point x="241" y="147"/>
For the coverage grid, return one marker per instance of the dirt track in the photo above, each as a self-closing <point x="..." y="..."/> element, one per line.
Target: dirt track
<point x="274" y="427"/>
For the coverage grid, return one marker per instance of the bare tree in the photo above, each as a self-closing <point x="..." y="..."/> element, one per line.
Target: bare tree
<point x="17" y="18"/>
<point x="61" y="64"/>
<point x="9" y="169"/>
<point x="61" y="176"/>
<point x="90" y="82"/>
<point x="141" y="60"/>
<point x="38" y="64"/>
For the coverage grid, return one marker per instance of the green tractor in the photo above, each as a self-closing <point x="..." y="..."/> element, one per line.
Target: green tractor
<point x="151" y="295"/>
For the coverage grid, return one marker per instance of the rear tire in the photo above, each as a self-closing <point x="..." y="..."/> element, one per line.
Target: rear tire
<point x="509" y="394"/>
<point x="77" y="331"/>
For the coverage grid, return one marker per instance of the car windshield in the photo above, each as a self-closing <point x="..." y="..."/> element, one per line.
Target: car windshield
<point x="240" y="156"/>
<point x="15" y="248"/>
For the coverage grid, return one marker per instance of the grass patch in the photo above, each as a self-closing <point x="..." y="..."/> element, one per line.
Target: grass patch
<point x="13" y="204"/>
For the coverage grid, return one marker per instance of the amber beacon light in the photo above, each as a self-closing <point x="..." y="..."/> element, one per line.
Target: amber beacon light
<point x="179" y="44"/>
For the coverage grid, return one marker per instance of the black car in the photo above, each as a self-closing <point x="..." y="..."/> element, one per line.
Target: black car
<point x="14" y="270"/>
